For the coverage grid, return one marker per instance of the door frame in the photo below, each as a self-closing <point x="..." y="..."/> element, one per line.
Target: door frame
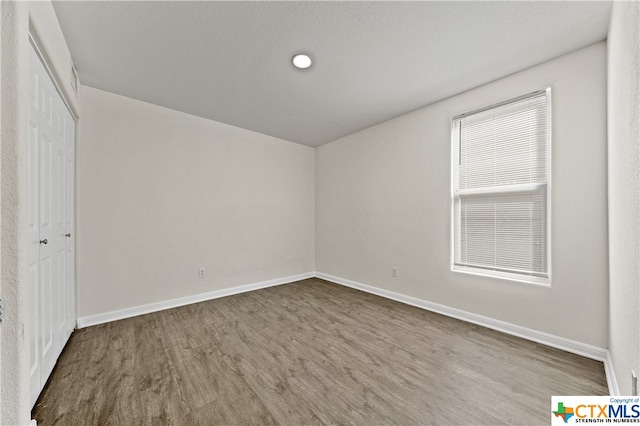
<point x="43" y="58"/>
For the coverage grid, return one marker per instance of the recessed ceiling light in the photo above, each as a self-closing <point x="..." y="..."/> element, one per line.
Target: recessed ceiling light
<point x="301" y="61"/>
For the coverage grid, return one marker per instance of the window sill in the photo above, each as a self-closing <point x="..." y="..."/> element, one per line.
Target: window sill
<point x="544" y="282"/>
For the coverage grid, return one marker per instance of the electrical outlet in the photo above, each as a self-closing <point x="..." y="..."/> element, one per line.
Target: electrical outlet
<point x="634" y="383"/>
<point x="203" y="273"/>
<point x="394" y="272"/>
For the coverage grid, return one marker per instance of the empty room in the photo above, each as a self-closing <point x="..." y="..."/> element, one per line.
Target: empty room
<point x="325" y="212"/>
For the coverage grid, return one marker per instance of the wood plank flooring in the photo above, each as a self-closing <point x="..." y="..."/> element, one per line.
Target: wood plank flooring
<point x="310" y="352"/>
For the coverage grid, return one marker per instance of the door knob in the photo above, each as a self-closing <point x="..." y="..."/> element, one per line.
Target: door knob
<point x="45" y="241"/>
<point x="68" y="235"/>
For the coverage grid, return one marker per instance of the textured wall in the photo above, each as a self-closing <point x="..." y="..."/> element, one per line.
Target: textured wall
<point x="14" y="364"/>
<point x="624" y="190"/>
<point x="162" y="193"/>
<point x="383" y="199"/>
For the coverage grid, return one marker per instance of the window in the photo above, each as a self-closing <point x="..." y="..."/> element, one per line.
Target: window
<point x="500" y="189"/>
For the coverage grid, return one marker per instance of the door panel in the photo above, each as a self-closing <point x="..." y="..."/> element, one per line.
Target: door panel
<point x="46" y="187"/>
<point x="34" y="226"/>
<point x="45" y="312"/>
<point x="59" y="243"/>
<point x="47" y="273"/>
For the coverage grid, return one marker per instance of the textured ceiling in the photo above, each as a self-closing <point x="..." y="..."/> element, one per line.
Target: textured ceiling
<point x="230" y="61"/>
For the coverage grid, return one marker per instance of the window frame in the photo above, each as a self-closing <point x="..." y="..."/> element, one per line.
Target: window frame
<point x="455" y="152"/>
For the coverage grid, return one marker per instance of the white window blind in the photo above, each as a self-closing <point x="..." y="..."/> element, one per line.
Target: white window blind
<point x="500" y="189"/>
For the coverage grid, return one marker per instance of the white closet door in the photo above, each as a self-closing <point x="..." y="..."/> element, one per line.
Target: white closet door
<point x="51" y="171"/>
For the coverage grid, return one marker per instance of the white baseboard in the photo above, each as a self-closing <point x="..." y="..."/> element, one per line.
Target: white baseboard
<point x="105" y="317"/>
<point x="614" y="390"/>
<point x="547" y="339"/>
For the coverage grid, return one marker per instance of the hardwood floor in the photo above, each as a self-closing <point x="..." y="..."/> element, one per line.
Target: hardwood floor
<point x="310" y="352"/>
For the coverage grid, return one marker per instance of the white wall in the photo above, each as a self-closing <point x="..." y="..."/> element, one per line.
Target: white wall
<point x="624" y="190"/>
<point x="383" y="200"/>
<point x="162" y="193"/>
<point x="18" y="19"/>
